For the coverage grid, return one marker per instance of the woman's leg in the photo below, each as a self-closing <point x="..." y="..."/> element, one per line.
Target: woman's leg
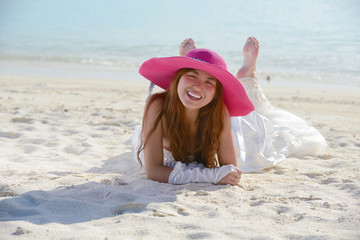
<point x="301" y="138"/>
<point x="250" y="54"/>
<point x="248" y="78"/>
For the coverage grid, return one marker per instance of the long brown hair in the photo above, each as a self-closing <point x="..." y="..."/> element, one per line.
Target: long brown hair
<point x="210" y="124"/>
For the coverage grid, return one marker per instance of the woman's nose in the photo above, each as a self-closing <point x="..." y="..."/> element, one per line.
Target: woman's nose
<point x="198" y="83"/>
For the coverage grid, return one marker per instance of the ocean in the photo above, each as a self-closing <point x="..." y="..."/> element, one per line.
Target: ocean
<point x="309" y="41"/>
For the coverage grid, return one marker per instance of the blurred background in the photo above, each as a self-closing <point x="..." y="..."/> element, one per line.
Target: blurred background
<point x="309" y="41"/>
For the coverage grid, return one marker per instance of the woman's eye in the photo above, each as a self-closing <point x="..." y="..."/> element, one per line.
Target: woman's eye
<point x="210" y="83"/>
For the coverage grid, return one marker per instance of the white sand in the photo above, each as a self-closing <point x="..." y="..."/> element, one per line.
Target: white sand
<point x="67" y="171"/>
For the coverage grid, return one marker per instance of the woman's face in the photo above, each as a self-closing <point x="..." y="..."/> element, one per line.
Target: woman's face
<point x="196" y="89"/>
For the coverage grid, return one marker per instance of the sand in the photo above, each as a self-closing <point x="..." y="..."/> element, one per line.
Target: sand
<point x="67" y="170"/>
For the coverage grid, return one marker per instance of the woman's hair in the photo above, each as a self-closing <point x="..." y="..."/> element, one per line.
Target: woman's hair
<point x="210" y="124"/>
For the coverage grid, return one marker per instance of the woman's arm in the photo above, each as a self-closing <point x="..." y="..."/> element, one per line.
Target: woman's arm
<point x="153" y="150"/>
<point x="227" y="149"/>
<point x="227" y="152"/>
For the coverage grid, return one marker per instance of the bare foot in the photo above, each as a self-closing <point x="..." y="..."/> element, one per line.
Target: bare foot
<point x="250" y="52"/>
<point x="186" y="46"/>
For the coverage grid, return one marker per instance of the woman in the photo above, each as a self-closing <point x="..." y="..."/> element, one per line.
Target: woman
<point x="194" y="132"/>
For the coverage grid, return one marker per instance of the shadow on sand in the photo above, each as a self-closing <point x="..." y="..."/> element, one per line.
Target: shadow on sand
<point x="127" y="192"/>
<point x="123" y="189"/>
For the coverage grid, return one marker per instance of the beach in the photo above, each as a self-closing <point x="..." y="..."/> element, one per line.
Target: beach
<point x="71" y="96"/>
<point x="67" y="169"/>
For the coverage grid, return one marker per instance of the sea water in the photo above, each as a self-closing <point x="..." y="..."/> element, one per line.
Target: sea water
<point x="310" y="41"/>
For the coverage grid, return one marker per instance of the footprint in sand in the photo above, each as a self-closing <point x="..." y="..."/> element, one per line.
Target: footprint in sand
<point x="6" y="191"/>
<point x="290" y="218"/>
<point x="313" y="175"/>
<point x="257" y="203"/>
<point x="280" y="172"/>
<point x="11" y="135"/>
<point x="343" y="144"/>
<point x="20" y="231"/>
<point x="202" y="193"/>
<point x="200" y="235"/>
<point x="157" y="213"/>
<point x="129" y="208"/>
<point x="180" y="211"/>
<point x="331" y="180"/>
<point x="281" y="209"/>
<point x="21" y="120"/>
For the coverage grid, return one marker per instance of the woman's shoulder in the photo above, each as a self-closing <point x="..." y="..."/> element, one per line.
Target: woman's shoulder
<point x="154" y="105"/>
<point x="155" y="101"/>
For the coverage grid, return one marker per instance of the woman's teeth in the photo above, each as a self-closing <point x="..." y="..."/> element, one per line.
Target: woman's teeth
<point x="194" y="95"/>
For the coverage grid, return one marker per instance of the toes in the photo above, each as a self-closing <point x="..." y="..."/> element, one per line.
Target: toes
<point x="186" y="46"/>
<point x="254" y="42"/>
<point x="188" y="41"/>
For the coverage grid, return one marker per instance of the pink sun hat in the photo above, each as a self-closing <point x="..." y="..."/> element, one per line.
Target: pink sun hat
<point x="161" y="71"/>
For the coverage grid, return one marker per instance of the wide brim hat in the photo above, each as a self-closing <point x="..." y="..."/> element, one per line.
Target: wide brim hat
<point x="161" y="71"/>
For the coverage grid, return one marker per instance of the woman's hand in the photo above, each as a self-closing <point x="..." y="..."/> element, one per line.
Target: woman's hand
<point x="232" y="178"/>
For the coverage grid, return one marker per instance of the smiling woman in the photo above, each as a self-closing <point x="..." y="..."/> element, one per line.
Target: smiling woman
<point x="186" y="131"/>
<point x="203" y="127"/>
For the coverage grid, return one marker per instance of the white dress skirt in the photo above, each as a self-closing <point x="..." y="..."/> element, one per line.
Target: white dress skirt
<point x="264" y="137"/>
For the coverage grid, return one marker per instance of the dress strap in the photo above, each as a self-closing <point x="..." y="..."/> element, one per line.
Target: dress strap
<point x="151" y="87"/>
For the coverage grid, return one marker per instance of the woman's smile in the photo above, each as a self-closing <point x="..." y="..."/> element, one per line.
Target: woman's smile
<point x="193" y="95"/>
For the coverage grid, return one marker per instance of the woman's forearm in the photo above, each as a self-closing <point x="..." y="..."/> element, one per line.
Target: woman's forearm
<point x="158" y="173"/>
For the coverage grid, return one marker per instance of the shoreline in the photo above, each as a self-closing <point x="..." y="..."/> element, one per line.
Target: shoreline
<point x="79" y="71"/>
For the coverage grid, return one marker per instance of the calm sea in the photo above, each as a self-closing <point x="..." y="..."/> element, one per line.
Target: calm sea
<point x="307" y="41"/>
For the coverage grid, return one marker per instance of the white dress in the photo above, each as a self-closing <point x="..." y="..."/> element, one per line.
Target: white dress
<point x="263" y="138"/>
<point x="302" y="139"/>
